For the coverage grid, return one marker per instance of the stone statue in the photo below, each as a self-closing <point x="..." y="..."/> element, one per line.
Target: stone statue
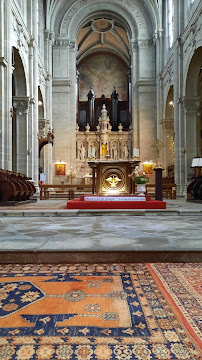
<point x="125" y="151"/>
<point x="115" y="152"/>
<point x="82" y="152"/>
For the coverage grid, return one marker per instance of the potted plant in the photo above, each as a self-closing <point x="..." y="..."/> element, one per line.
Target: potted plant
<point x="141" y="179"/>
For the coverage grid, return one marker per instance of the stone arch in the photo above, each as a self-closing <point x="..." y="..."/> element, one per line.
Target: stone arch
<point x="193" y="107"/>
<point x="168" y="107"/>
<point x="168" y="125"/>
<point x="20" y="102"/>
<point x="135" y="16"/>
<point x="19" y="74"/>
<point x="41" y="108"/>
<point x="191" y="72"/>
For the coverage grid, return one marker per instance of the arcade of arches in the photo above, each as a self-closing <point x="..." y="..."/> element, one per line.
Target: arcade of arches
<point x="61" y="61"/>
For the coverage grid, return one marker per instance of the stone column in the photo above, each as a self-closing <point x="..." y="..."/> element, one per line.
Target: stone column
<point x="35" y="142"/>
<point x="64" y="102"/>
<point x="31" y="109"/>
<point x="190" y="111"/>
<point x="21" y="103"/>
<point x="147" y="99"/>
<point x="91" y="102"/>
<point x="3" y="64"/>
<point x="5" y="86"/>
<point x="134" y="94"/>
<point x="49" y="38"/>
<point x="159" y="67"/>
<point x="168" y="126"/>
<point x="179" y="123"/>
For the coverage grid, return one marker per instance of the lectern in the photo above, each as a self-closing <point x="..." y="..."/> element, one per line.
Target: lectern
<point x="112" y="177"/>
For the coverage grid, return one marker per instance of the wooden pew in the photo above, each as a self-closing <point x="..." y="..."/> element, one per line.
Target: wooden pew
<point x="15" y="186"/>
<point x="47" y="189"/>
<point x="169" y="190"/>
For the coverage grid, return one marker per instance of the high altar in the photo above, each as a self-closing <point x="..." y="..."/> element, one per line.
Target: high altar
<point x="103" y="149"/>
<point x="112" y="177"/>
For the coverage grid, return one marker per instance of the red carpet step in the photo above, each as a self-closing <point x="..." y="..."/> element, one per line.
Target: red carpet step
<point x="118" y="203"/>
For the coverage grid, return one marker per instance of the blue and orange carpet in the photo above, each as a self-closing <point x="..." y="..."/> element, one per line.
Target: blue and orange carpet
<point x="101" y="311"/>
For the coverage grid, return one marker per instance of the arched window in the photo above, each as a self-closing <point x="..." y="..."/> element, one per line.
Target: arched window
<point x="170" y="21"/>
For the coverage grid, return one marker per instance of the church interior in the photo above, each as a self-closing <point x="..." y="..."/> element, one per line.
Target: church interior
<point x="100" y="179"/>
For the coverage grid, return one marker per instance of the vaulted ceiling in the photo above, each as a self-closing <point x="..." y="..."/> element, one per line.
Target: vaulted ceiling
<point x="103" y="34"/>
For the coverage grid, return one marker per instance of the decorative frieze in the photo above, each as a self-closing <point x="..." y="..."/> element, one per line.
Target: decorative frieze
<point x="61" y="43"/>
<point x="77" y="5"/>
<point x="194" y="24"/>
<point x="65" y="43"/>
<point x="19" y="26"/>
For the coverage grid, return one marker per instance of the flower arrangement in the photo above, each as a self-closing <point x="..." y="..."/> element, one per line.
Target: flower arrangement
<point x="139" y="177"/>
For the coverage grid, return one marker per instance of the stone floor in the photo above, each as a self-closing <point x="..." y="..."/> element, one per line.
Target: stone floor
<point x="46" y="226"/>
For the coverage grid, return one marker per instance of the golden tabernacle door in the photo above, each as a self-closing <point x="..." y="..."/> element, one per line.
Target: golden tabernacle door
<point x="112" y="177"/>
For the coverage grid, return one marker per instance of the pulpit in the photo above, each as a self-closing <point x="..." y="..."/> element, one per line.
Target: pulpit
<point x="112" y="177"/>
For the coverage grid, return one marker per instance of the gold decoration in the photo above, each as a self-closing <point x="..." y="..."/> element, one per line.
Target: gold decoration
<point x="172" y="147"/>
<point x="158" y="145"/>
<point x="113" y="180"/>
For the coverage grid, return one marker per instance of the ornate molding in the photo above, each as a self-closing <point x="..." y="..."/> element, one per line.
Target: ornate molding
<point x="61" y="82"/>
<point x="192" y="26"/>
<point x="146" y="82"/>
<point x="144" y="43"/>
<point x="3" y="61"/>
<point x="168" y="68"/>
<point x="65" y="43"/>
<point x="61" y="43"/>
<point x="19" y="26"/>
<point x="78" y="4"/>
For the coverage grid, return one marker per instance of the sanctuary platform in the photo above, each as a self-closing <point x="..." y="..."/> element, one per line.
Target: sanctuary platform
<point x="115" y="202"/>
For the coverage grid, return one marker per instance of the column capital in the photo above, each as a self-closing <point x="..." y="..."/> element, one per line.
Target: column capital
<point x="190" y="104"/>
<point x="144" y="43"/>
<point x="61" y="81"/>
<point x="22" y="104"/>
<point x="134" y="45"/>
<point x="168" y="124"/>
<point x="32" y="42"/>
<point x="42" y="123"/>
<point x="49" y="35"/>
<point x="65" y="43"/>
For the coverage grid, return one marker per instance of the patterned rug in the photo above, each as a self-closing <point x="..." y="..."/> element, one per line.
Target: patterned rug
<point x="100" y="311"/>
